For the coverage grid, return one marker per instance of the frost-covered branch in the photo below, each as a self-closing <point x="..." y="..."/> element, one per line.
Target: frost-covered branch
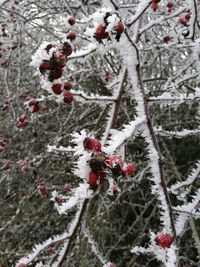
<point x="178" y="134"/>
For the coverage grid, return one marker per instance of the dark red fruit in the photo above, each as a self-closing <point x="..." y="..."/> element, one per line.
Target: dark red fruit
<point x="68" y="97"/>
<point x="71" y="20"/>
<point x="166" y="38"/>
<point x="71" y="36"/>
<point x="43" y="108"/>
<point x="45" y="66"/>
<point x="23" y="118"/>
<point x="67" y="86"/>
<point x="67" y="49"/>
<point x="21" y="125"/>
<point x="164" y="240"/>
<point x="106" y="76"/>
<point x="35" y="108"/>
<point x="170" y="5"/>
<point x="129" y="169"/>
<point x="187" y="16"/>
<point x="114" y="160"/>
<point x="92" y="144"/>
<point x="101" y="177"/>
<point x="32" y="102"/>
<point x="92" y="179"/>
<point x="56" y="73"/>
<point x="51" y="250"/>
<point x="120" y="27"/>
<point x="101" y="32"/>
<point x="57" y="88"/>
<point x="42" y="189"/>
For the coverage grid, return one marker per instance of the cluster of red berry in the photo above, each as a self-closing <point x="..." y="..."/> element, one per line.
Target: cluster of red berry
<point x="64" y="89"/>
<point x="100" y="163"/>
<point x="184" y="20"/>
<point x="102" y="33"/>
<point x="35" y="106"/>
<point x="54" y="66"/>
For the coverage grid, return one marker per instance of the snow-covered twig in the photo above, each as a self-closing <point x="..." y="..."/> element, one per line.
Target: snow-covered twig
<point x="180" y="134"/>
<point x="191" y="178"/>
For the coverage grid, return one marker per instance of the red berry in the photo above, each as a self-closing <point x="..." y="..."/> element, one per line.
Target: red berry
<point x="154" y="5"/>
<point x="68" y="188"/>
<point x="170" y="5"/>
<point x="101" y="32"/>
<point x="43" y="108"/>
<point x="106" y="76"/>
<point x="23" y="118"/>
<point x="32" y="102"/>
<point x="35" y="108"/>
<point x="187" y="16"/>
<point x="56" y="73"/>
<point x="42" y="189"/>
<point x="71" y="36"/>
<point x="130" y="169"/>
<point x="57" y="88"/>
<point x="92" y="180"/>
<point x="101" y="176"/>
<point x="166" y="38"/>
<point x="120" y="27"/>
<point x="59" y="199"/>
<point x="182" y="21"/>
<point x="164" y="240"/>
<point x="45" y="65"/>
<point x="110" y="264"/>
<point x="71" y="20"/>
<point x="22" y="124"/>
<point x="114" y="160"/>
<point x="51" y="250"/>
<point x="67" y="49"/>
<point x="92" y="144"/>
<point x="68" y="97"/>
<point x="67" y="86"/>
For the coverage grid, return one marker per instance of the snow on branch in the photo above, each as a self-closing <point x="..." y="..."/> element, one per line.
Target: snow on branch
<point x="83" y="53"/>
<point x="160" y="20"/>
<point x="95" y="98"/>
<point x="187" y="210"/>
<point x="167" y="255"/>
<point x="118" y="138"/>
<point x="191" y="178"/>
<point x="175" y="97"/>
<point x="78" y="194"/>
<point x="60" y="238"/>
<point x="183" y="133"/>
<point x="142" y="7"/>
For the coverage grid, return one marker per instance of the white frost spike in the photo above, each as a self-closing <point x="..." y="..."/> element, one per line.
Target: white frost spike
<point x="185" y="212"/>
<point x="119" y="137"/>
<point x="191" y="178"/>
<point x="79" y="193"/>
